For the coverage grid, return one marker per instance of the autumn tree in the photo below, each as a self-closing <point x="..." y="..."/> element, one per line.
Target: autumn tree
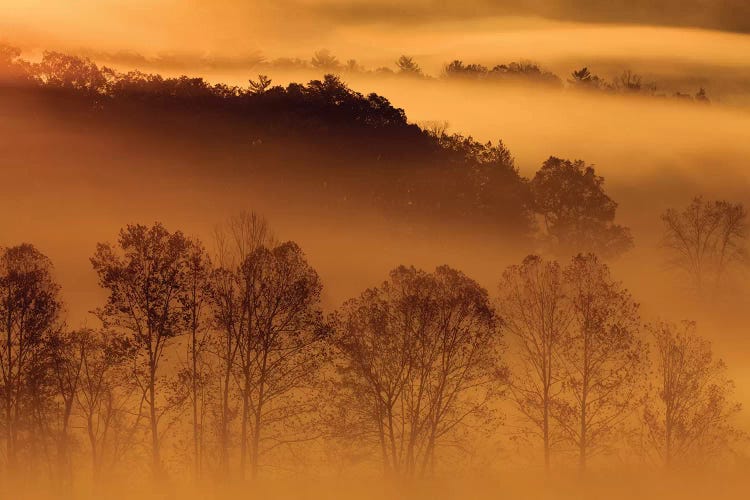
<point x="416" y="358"/>
<point x="602" y="359"/>
<point x="533" y="306"/>
<point x="706" y="241"/>
<point x="578" y="215"/>
<point x="688" y="417"/>
<point x="30" y="308"/>
<point x="144" y="275"/>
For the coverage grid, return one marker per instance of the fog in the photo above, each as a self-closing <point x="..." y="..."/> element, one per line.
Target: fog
<point x="67" y="186"/>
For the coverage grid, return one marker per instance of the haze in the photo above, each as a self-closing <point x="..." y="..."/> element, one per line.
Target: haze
<point x="69" y="184"/>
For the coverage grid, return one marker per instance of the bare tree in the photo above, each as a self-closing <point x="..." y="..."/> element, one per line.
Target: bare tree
<point x="105" y="396"/>
<point x="281" y="356"/>
<point x="688" y="417"/>
<point x="145" y="278"/>
<point x="64" y="368"/>
<point x="706" y="240"/>
<point x="195" y="303"/>
<point x="231" y="295"/>
<point x="603" y="359"/>
<point x="534" y="310"/>
<point x="30" y="309"/>
<point x="416" y="358"/>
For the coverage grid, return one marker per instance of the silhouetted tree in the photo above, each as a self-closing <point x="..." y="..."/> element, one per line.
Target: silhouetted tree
<point x="706" y="240"/>
<point x="144" y="276"/>
<point x="603" y="359"/>
<point x="458" y="69"/>
<point x="533" y="307"/>
<point x="407" y="66"/>
<point x="195" y="303"/>
<point x="688" y="417"/>
<point x="13" y="69"/>
<point x="30" y="308"/>
<point x="629" y="82"/>
<point x="231" y="297"/>
<point x="261" y="85"/>
<point x="578" y="215"/>
<point x="279" y="356"/>
<point x="584" y="79"/>
<point x="415" y="359"/>
<point x="71" y="73"/>
<point x="105" y="395"/>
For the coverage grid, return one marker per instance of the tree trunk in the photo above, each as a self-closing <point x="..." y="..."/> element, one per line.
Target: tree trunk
<point x="155" y="452"/>
<point x="196" y="443"/>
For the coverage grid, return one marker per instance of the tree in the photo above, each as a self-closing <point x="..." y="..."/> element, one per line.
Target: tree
<point x="407" y="66"/>
<point x="706" y="240"/>
<point x="584" y="79"/>
<point x="603" y="359"/>
<point x="64" y="368"/>
<point x="280" y="356"/>
<point x="145" y="278"/>
<point x="323" y="59"/>
<point x="578" y="215"/>
<point x="72" y="73"/>
<point x="13" y="69"/>
<point x="195" y="304"/>
<point x="415" y="360"/>
<point x="629" y="82"/>
<point x="688" y="417"/>
<point x="30" y="308"/>
<point x="231" y="296"/>
<point x="105" y="394"/>
<point x="532" y="305"/>
<point x="260" y="86"/>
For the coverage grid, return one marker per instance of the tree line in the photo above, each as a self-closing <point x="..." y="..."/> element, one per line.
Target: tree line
<point x="225" y="364"/>
<point x="423" y="176"/>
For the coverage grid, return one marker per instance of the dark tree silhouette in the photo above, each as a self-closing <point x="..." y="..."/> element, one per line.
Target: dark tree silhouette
<point x="261" y="85"/>
<point x="603" y="359"/>
<point x="584" y="79"/>
<point x="30" y="308"/>
<point x="407" y="66"/>
<point x="578" y="215"/>
<point x="232" y="295"/>
<point x="195" y="303"/>
<point x="145" y="278"/>
<point x="281" y="354"/>
<point x="415" y="360"/>
<point x="533" y="307"/>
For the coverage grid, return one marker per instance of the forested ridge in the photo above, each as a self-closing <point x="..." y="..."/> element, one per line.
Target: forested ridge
<point x="216" y="357"/>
